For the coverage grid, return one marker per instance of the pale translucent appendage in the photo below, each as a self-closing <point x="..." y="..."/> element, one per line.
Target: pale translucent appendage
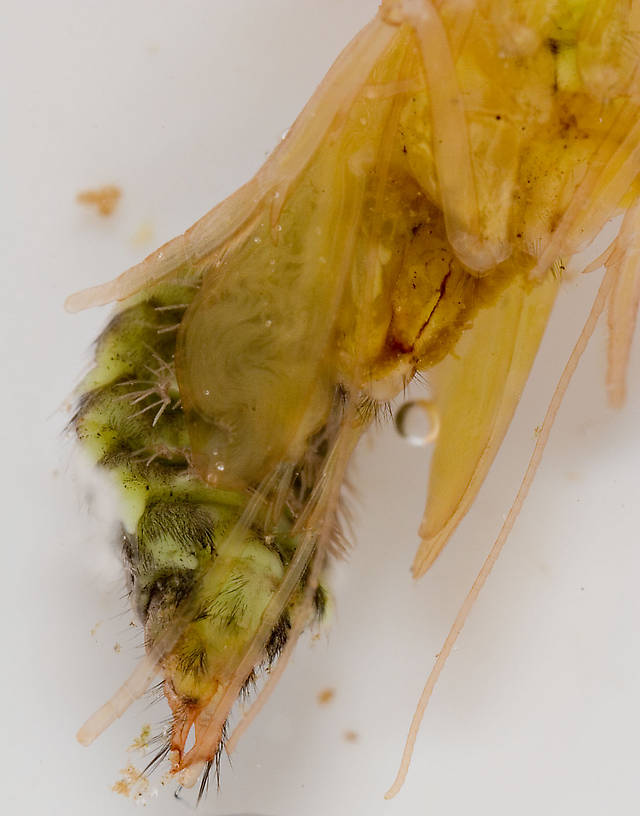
<point x="476" y="393"/>
<point x="283" y="661"/>
<point x="595" y="50"/>
<point x="610" y="176"/>
<point x="624" y="303"/>
<point x="209" y="238"/>
<point x="451" y="145"/>
<point x="551" y="154"/>
<point x="598" y="307"/>
<point x="130" y="691"/>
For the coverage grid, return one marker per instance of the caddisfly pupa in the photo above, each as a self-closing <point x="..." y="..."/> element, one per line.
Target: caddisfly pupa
<point x="417" y="220"/>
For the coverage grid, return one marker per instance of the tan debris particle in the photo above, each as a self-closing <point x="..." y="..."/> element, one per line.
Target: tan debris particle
<point x="141" y="742"/>
<point x="104" y="199"/>
<point x="326" y="696"/>
<point x="132" y="782"/>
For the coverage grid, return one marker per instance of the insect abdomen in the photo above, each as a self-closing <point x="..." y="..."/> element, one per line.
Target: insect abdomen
<point x="196" y="566"/>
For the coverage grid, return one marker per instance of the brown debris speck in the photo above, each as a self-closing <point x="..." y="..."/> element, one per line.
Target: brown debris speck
<point x="132" y="782"/>
<point x="121" y="787"/>
<point x="104" y="199"/>
<point x="326" y="696"/>
<point x="350" y="736"/>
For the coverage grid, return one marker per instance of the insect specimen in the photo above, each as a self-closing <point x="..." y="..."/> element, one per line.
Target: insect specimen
<point x="416" y="220"/>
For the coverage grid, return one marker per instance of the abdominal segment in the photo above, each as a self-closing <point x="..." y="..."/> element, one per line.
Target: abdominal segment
<point x="200" y="561"/>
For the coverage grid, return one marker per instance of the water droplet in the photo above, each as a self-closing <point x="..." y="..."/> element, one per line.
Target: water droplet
<point x="220" y="466"/>
<point x="268" y="323"/>
<point x="279" y="228"/>
<point x="206" y="392"/>
<point x="284" y="135"/>
<point x="257" y="239"/>
<point x="418" y="422"/>
<point x="276" y="194"/>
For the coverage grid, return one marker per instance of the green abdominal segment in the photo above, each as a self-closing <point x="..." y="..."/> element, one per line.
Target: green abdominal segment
<point x="196" y="558"/>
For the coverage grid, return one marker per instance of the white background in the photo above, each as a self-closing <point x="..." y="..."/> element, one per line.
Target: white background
<point x="537" y="711"/>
